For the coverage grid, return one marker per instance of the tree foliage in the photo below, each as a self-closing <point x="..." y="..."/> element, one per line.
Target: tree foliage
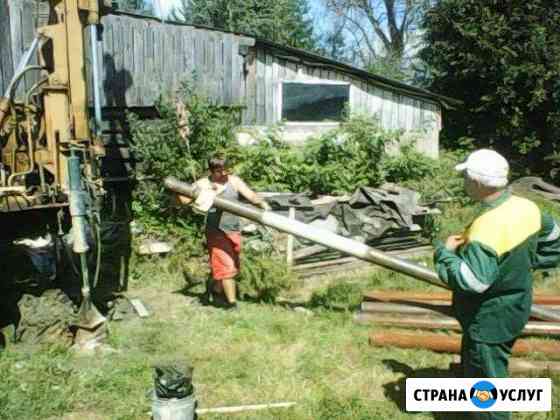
<point x="502" y="58"/>
<point x="134" y="6"/>
<point x="282" y="21"/>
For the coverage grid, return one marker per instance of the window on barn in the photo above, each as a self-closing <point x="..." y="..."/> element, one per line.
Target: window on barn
<point x="314" y="102"/>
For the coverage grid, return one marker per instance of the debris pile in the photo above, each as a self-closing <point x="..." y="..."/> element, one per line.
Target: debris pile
<point x="388" y="218"/>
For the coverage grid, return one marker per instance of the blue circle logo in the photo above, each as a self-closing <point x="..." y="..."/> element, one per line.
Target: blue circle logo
<point x="483" y="394"/>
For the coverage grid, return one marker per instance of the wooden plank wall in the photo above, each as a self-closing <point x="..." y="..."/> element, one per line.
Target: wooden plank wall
<point x="143" y="58"/>
<point x="6" y="62"/>
<point x="394" y="109"/>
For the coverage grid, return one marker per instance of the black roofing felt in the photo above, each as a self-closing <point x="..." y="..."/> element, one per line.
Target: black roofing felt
<point x="447" y="102"/>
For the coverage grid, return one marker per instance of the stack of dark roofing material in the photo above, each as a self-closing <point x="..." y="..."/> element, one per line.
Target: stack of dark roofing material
<point x="388" y="218"/>
<point x="433" y="311"/>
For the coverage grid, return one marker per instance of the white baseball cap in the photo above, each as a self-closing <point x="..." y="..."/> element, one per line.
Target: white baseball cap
<point x="487" y="167"/>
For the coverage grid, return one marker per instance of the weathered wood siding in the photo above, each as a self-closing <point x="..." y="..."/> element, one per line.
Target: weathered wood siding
<point x="6" y="62"/>
<point x="141" y="58"/>
<point x="395" y="109"/>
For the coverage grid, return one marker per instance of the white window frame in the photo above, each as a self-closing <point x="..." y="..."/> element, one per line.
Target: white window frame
<point x="279" y="99"/>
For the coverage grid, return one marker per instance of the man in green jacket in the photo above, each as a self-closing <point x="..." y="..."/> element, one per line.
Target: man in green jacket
<point x="489" y="267"/>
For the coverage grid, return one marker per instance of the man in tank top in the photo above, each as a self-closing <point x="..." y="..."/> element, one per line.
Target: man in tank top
<point x="223" y="231"/>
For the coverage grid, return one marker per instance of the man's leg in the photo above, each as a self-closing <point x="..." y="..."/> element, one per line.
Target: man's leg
<point x="484" y="360"/>
<point x="230" y="290"/>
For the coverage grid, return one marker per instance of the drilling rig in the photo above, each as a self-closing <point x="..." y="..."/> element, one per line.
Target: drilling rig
<point x="50" y="147"/>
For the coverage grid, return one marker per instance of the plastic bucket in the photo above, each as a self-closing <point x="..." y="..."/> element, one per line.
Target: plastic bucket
<point x="173" y="408"/>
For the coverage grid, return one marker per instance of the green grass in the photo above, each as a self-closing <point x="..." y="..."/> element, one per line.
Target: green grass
<point x="263" y="353"/>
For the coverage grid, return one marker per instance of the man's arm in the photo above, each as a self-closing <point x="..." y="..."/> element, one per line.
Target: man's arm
<point x="243" y="189"/>
<point x="197" y="186"/>
<point x="548" y="243"/>
<point x="473" y="270"/>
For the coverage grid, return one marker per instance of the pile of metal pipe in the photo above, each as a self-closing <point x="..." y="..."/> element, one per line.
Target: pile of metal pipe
<point x="433" y="311"/>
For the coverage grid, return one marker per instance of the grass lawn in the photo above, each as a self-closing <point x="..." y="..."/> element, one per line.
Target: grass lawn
<point x="262" y="353"/>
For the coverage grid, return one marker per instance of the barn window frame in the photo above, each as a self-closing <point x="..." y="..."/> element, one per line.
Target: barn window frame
<point x="280" y="99"/>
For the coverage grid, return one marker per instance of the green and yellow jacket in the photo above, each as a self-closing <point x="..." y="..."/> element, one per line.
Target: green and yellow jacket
<point x="491" y="274"/>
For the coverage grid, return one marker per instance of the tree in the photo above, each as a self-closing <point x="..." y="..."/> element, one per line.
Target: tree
<point x="333" y="44"/>
<point x="382" y="30"/>
<point x="281" y="21"/>
<point x="502" y="58"/>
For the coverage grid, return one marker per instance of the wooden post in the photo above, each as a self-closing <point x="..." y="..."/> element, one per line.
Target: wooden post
<point x="290" y="245"/>
<point x="244" y="408"/>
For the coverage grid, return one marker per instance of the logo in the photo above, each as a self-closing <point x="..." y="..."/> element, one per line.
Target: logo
<point x="483" y="394"/>
<point x="478" y="394"/>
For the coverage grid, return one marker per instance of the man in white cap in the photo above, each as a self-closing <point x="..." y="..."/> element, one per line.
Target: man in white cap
<point x="489" y="267"/>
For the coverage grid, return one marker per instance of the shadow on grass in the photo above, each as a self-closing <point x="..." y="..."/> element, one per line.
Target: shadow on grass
<point x="396" y="391"/>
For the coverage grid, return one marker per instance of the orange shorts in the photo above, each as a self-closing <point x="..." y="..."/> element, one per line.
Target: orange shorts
<point x="223" y="250"/>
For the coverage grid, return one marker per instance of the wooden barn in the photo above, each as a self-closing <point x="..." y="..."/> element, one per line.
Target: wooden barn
<point x="270" y="83"/>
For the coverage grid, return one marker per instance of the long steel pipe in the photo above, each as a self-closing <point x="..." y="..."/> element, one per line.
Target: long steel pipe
<point x="332" y="240"/>
<point x="96" y="79"/>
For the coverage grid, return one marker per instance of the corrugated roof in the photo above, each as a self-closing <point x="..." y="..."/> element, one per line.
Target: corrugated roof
<point x="304" y="55"/>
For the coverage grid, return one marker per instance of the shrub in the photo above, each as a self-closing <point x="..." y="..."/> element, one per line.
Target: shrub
<point x="345" y="296"/>
<point x="163" y="152"/>
<point x="263" y="277"/>
<point x="348" y="157"/>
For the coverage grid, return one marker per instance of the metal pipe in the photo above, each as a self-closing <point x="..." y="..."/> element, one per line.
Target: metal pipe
<point x="333" y="241"/>
<point x="95" y="73"/>
<point x="23" y="63"/>
<point x="536" y="328"/>
<point x="449" y="344"/>
<point x="320" y="236"/>
<point x="411" y="309"/>
<point x="30" y="140"/>
<point x="401" y="296"/>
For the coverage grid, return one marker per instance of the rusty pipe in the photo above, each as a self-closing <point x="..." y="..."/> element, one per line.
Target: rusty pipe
<point x="452" y="344"/>
<point x="441" y="322"/>
<point x="331" y="240"/>
<point x="401" y="296"/>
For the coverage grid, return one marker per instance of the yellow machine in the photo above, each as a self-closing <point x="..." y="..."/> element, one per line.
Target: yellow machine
<point x="49" y="158"/>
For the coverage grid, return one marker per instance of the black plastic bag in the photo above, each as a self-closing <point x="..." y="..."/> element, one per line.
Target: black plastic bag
<point x="173" y="381"/>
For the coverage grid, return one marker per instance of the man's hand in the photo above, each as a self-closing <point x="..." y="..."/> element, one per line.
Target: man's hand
<point x="453" y="242"/>
<point x="182" y="200"/>
<point x="265" y="206"/>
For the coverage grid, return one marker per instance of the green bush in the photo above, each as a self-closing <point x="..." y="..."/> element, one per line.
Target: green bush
<point x="263" y="277"/>
<point x="351" y="156"/>
<point x="345" y="296"/>
<point x="163" y="152"/>
<point x="409" y="165"/>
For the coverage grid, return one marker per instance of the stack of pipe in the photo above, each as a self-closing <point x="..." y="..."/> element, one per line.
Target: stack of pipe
<point x="433" y="311"/>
